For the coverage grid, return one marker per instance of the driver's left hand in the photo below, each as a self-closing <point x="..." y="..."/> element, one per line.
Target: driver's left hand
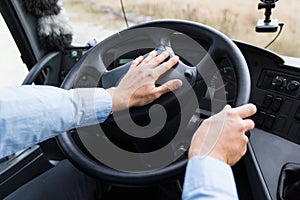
<point x="137" y="87"/>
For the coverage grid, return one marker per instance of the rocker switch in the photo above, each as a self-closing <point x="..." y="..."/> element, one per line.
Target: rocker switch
<point x="267" y="101"/>
<point x="276" y="104"/>
<point x="269" y="122"/>
<point x="260" y="118"/>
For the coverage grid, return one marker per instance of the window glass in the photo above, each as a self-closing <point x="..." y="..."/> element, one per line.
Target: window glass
<point x="12" y="68"/>
<point x="237" y="19"/>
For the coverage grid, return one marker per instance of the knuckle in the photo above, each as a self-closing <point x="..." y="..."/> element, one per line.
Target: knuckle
<point x="240" y="125"/>
<point x="252" y="125"/>
<point x="206" y="122"/>
<point x="140" y="72"/>
<point x="229" y="113"/>
<point x="156" y="95"/>
<point x="245" y="139"/>
<point x="151" y="97"/>
<point x="153" y="53"/>
<point x="249" y="124"/>
<point x="156" y="60"/>
<point x="173" y="61"/>
<point x="165" y="67"/>
<point x="245" y="149"/>
<point x="166" y="53"/>
<point x="149" y="74"/>
<point x="243" y="152"/>
<point x="165" y="88"/>
<point x="169" y="87"/>
<point x="135" y="62"/>
<point x="252" y="108"/>
<point x="244" y="126"/>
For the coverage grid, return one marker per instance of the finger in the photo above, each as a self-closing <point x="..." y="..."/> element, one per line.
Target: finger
<point x="159" y="59"/>
<point x="136" y="62"/>
<point x="167" y="87"/>
<point x="249" y="124"/>
<point x="151" y="55"/>
<point x="163" y="68"/>
<point x="227" y="107"/>
<point x="245" y="111"/>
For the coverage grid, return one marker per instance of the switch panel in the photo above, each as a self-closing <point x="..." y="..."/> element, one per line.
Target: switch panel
<point x="279" y="82"/>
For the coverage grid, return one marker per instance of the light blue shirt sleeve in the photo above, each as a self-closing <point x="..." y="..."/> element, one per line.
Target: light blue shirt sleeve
<point x="207" y="178"/>
<point x="31" y="114"/>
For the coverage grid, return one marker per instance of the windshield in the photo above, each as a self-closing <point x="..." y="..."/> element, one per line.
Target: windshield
<point x="237" y="19"/>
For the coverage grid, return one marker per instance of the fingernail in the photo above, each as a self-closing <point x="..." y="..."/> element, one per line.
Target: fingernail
<point x="153" y="52"/>
<point x="178" y="84"/>
<point x="175" y="58"/>
<point x="227" y="107"/>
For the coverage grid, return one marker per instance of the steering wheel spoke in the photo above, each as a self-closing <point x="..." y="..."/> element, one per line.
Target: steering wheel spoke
<point x="161" y="37"/>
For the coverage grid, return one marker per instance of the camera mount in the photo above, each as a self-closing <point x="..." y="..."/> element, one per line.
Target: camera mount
<point x="267" y="24"/>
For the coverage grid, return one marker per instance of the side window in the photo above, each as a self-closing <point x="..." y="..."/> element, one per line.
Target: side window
<point x="12" y="68"/>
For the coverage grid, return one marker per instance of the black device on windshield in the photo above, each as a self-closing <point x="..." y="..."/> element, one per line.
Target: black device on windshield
<point x="267" y="24"/>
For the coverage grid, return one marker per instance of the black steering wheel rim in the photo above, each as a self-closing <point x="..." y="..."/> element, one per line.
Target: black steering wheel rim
<point x="107" y="174"/>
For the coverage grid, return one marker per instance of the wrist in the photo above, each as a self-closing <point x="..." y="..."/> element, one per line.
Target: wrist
<point x="218" y="156"/>
<point x="213" y="154"/>
<point x="118" y="101"/>
<point x="111" y="93"/>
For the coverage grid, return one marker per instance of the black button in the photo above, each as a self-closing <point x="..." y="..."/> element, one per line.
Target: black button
<point x="267" y="101"/>
<point x="260" y="118"/>
<point x="293" y="85"/>
<point x="270" y="121"/>
<point x="297" y="114"/>
<point x="276" y="104"/>
<point x="279" y="81"/>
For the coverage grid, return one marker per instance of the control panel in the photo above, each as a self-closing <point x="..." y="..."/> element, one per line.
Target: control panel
<point x="280" y="82"/>
<point x="70" y="57"/>
<point x="279" y="104"/>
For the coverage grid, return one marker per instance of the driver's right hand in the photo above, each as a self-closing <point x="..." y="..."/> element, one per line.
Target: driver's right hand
<point x="222" y="136"/>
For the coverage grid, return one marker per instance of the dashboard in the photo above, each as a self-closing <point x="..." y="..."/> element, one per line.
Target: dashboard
<point x="275" y="92"/>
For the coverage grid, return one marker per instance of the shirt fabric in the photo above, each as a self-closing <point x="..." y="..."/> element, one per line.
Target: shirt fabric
<point x="25" y="121"/>
<point x="31" y="114"/>
<point x="207" y="178"/>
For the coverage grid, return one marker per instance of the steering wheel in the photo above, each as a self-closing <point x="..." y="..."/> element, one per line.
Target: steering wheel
<point x="103" y="67"/>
